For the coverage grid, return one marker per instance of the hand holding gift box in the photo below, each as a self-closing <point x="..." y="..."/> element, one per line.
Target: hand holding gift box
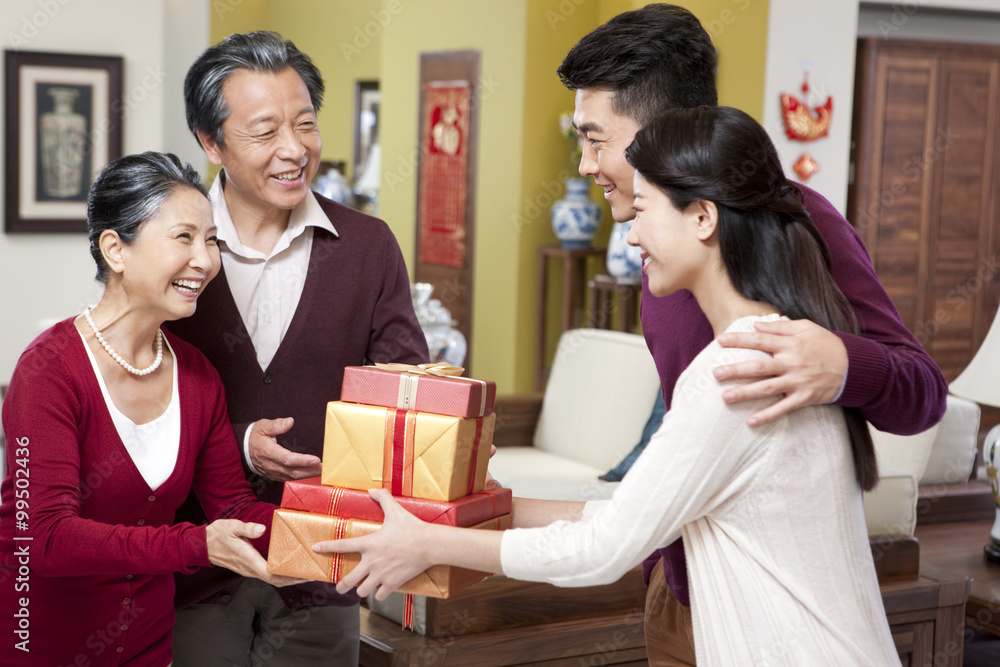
<point x="387" y="554"/>
<point x="293" y="534"/>
<point x="310" y="495"/>
<point x="418" y="454"/>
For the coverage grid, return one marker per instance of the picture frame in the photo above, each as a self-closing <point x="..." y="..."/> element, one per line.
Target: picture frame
<point x="367" y="100"/>
<point x="63" y="124"/>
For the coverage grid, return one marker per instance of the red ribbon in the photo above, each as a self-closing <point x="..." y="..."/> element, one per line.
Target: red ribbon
<point x="408" y="611"/>
<point x="397" y="457"/>
<point x="337" y="562"/>
<point x="398" y="452"/>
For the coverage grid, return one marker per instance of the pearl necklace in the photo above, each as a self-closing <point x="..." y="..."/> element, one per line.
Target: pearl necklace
<point x="117" y="357"/>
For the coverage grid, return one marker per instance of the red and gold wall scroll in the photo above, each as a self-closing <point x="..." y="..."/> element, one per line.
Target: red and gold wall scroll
<point x="444" y="166"/>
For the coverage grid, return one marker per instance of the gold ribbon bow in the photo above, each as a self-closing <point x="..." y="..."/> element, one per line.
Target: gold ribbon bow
<point x="440" y="369"/>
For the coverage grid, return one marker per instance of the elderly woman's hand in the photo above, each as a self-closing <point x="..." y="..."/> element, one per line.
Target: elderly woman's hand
<point x="229" y="547"/>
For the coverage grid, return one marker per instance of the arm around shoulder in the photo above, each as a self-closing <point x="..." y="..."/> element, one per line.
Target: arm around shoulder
<point x="891" y="379"/>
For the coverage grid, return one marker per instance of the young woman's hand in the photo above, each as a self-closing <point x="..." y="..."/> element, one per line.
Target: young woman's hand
<point x="229" y="547"/>
<point x="390" y="556"/>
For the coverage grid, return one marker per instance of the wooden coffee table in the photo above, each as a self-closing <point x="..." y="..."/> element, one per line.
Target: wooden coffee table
<point x="958" y="547"/>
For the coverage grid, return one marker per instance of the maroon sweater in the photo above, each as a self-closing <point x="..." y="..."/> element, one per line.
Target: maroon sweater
<point x="91" y="558"/>
<point x="355" y="306"/>
<point x="890" y="378"/>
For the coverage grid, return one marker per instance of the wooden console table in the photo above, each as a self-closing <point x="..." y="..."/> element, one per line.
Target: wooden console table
<point x="958" y="547"/>
<point x="601" y="305"/>
<point x="571" y="309"/>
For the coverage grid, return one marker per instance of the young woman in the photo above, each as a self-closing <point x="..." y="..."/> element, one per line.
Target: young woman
<point x="110" y="423"/>
<point x="781" y="571"/>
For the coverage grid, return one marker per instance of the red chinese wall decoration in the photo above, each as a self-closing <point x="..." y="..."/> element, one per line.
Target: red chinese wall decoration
<point x="443" y="170"/>
<point x="805" y="124"/>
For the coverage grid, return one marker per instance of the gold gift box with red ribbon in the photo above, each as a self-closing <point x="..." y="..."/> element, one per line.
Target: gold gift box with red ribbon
<point x="414" y="454"/>
<point x="293" y="534"/>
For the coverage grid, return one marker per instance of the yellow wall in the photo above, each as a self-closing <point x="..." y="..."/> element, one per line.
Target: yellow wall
<point x="738" y="29"/>
<point x="552" y="27"/>
<point x="497" y="30"/>
<point x="521" y="154"/>
<point x="234" y="16"/>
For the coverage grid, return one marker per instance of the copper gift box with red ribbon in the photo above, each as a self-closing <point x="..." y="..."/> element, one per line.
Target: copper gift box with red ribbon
<point x="309" y="495"/>
<point x="413" y="454"/>
<point x="425" y="388"/>
<point x="293" y="533"/>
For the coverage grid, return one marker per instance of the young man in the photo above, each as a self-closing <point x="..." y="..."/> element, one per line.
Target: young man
<point x="625" y="73"/>
<point x="307" y="287"/>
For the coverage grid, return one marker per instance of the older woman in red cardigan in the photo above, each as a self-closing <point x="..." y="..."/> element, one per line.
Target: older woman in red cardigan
<point x="110" y="422"/>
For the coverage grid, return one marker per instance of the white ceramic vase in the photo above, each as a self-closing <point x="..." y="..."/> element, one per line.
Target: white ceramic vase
<point x="576" y="217"/>
<point x="991" y="458"/>
<point x="624" y="262"/>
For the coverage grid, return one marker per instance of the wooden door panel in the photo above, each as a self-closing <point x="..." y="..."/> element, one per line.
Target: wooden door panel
<point x="926" y="194"/>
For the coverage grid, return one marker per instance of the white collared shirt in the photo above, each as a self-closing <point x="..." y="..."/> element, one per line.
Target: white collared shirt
<point x="267" y="287"/>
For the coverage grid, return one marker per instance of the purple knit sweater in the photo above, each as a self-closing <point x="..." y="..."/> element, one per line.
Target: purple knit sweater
<point x="355" y="305"/>
<point x="890" y="378"/>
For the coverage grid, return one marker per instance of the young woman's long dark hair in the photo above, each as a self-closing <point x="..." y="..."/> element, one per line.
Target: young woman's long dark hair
<point x="770" y="247"/>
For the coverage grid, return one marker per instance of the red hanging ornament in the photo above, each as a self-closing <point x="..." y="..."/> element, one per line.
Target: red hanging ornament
<point x="805" y="167"/>
<point x="800" y="124"/>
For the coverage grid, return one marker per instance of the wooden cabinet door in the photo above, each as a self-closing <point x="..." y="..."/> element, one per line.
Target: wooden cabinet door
<point x="925" y="190"/>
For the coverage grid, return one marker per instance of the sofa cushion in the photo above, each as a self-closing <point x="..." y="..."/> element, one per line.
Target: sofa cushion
<point x="597" y="398"/>
<point x="904" y="453"/>
<point x="653" y="424"/>
<point x="533" y="473"/>
<point x="956" y="446"/>
<point x="891" y="507"/>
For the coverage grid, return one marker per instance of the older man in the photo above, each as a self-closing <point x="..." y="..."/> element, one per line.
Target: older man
<point x="307" y="287"/>
<point x="625" y="73"/>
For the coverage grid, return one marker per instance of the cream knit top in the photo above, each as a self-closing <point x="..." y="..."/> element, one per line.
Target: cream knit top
<point x="780" y="566"/>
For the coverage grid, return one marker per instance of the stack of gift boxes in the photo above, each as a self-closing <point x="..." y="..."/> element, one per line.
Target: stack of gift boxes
<point x="422" y="434"/>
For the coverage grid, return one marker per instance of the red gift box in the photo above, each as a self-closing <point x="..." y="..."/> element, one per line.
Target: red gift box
<point x="310" y="495"/>
<point x="408" y="388"/>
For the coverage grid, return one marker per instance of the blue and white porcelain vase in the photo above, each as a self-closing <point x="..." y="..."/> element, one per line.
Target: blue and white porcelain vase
<point x="576" y="217"/>
<point x="624" y="262"/>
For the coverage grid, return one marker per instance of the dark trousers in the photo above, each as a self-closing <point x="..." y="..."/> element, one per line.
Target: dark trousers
<point x="256" y="629"/>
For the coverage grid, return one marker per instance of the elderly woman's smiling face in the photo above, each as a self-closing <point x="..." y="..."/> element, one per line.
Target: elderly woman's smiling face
<point x="173" y="257"/>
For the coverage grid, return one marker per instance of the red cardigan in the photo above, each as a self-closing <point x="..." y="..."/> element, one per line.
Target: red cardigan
<point x="92" y="563"/>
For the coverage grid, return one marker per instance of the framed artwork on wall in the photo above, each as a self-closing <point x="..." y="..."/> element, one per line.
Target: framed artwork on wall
<point x="367" y="99"/>
<point x="62" y="125"/>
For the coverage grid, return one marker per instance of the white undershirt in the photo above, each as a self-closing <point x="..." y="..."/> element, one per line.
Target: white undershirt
<point x="266" y="288"/>
<point x="152" y="446"/>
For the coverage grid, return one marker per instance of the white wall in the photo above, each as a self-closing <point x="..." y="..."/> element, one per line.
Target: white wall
<point x="824" y="34"/>
<point x="45" y="277"/>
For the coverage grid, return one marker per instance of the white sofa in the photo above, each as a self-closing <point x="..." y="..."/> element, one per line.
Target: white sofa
<point x="598" y="398"/>
<point x="944" y="454"/>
